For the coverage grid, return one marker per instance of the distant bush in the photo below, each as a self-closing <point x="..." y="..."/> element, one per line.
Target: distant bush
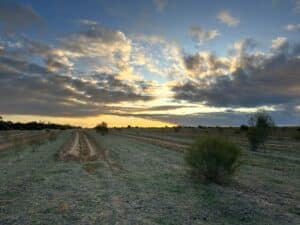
<point x="213" y="159"/>
<point x="260" y="126"/>
<point x="177" y="129"/>
<point x="244" y="128"/>
<point x="102" y="128"/>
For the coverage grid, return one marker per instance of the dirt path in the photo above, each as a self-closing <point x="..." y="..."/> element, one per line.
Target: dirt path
<point x="90" y="147"/>
<point x="79" y="147"/>
<point x="74" y="150"/>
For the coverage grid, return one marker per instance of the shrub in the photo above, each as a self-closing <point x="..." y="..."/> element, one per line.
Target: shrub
<point x="213" y="158"/>
<point x="260" y="126"/>
<point x="177" y="129"/>
<point x="244" y="127"/>
<point x="102" y="128"/>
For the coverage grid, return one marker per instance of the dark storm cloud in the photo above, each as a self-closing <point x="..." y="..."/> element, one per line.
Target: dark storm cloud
<point x="16" y="16"/>
<point x="274" y="80"/>
<point x="28" y="88"/>
<point x="197" y="63"/>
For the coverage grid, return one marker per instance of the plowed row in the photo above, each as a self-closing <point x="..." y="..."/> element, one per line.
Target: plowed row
<point x="79" y="147"/>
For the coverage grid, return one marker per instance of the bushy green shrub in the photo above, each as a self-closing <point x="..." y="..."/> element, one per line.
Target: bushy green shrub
<point x="102" y="128"/>
<point x="260" y="126"/>
<point x="213" y="158"/>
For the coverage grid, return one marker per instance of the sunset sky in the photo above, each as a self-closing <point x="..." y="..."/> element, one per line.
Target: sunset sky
<point x="149" y="62"/>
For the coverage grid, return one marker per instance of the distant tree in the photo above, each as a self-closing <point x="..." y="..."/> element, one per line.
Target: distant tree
<point x="260" y="126"/>
<point x="8" y="125"/>
<point x="102" y="128"/>
<point x="1" y="118"/>
<point x="128" y="126"/>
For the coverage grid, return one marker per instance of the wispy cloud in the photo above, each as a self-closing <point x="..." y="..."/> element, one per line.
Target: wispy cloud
<point x="199" y="35"/>
<point x="280" y="43"/>
<point x="292" y="27"/>
<point x="226" y="18"/>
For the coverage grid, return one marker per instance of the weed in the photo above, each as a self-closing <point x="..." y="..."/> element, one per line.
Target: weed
<point x="260" y="125"/>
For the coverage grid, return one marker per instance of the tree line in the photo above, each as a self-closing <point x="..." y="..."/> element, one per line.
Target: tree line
<point x="9" y="125"/>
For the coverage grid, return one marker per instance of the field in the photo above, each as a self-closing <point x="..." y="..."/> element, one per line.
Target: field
<point x="138" y="176"/>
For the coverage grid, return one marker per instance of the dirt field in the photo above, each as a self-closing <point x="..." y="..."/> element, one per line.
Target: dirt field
<point x="138" y="176"/>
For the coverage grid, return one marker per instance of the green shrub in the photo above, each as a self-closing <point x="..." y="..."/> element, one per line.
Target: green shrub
<point x="213" y="158"/>
<point x="102" y="128"/>
<point x="260" y="126"/>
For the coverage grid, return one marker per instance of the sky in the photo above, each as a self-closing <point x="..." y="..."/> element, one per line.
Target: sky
<point x="149" y="62"/>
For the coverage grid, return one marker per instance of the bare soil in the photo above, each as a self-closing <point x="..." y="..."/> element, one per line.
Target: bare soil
<point x="80" y="147"/>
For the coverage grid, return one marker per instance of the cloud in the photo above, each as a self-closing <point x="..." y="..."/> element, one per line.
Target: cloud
<point x="226" y="18"/>
<point x="160" y="5"/>
<point x="28" y="88"/>
<point x="292" y="27"/>
<point x="55" y="58"/>
<point x="88" y="22"/>
<point x="297" y="6"/>
<point x="96" y="43"/>
<point x="260" y="80"/>
<point x="203" y="64"/>
<point x="280" y="44"/>
<point x="15" y="16"/>
<point x="152" y="39"/>
<point x="200" y="36"/>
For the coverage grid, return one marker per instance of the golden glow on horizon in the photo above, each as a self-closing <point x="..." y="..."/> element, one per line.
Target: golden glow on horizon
<point x="88" y="122"/>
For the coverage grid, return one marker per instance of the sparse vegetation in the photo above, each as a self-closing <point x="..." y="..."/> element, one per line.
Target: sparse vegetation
<point x="126" y="175"/>
<point x="213" y="159"/>
<point x="102" y="128"/>
<point x="260" y="126"/>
